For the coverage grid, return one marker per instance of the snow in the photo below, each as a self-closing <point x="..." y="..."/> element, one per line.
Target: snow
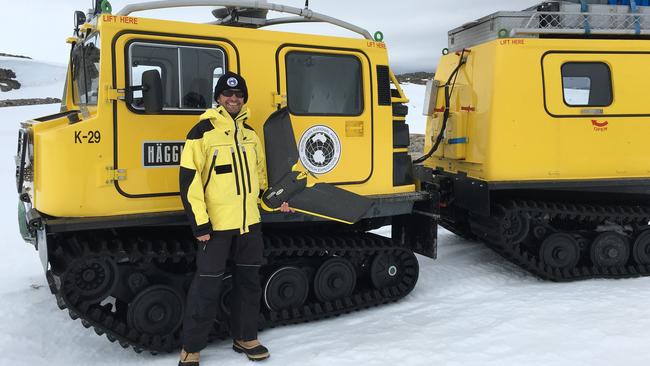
<point x="37" y="79"/>
<point x="470" y="307"/>
<point x="416" y="120"/>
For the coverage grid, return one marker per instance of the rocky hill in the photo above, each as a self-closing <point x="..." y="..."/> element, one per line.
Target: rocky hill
<point x="417" y="145"/>
<point x="16" y="56"/>
<point x="7" y="80"/>
<point x="419" y="78"/>
<point x="24" y="81"/>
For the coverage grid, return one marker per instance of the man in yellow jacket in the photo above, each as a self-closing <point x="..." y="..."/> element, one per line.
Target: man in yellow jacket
<point x="221" y="176"/>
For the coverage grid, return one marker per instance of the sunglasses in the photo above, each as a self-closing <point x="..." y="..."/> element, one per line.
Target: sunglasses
<point x="230" y="92"/>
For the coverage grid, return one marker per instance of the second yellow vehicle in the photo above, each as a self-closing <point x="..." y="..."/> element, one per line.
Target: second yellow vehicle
<point x="537" y="137"/>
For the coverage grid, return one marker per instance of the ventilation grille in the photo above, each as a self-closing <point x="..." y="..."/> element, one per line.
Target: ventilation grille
<point x="383" y="85"/>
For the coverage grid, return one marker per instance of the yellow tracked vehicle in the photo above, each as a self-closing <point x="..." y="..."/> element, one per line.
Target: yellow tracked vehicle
<point x="536" y="134"/>
<point x="98" y="182"/>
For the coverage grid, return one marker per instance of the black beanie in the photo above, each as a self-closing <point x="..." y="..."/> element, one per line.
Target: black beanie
<point x="230" y="80"/>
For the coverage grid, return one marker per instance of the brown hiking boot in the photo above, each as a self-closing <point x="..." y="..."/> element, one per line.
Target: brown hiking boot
<point x="189" y="358"/>
<point x="252" y="349"/>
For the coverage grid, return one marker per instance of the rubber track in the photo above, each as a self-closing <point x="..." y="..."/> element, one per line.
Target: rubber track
<point x="277" y="247"/>
<point x="519" y="255"/>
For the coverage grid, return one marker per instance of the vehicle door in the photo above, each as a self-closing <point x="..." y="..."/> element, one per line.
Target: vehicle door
<point x="328" y="99"/>
<point x="147" y="147"/>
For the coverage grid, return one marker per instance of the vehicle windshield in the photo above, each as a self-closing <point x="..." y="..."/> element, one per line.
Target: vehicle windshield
<point x="85" y="71"/>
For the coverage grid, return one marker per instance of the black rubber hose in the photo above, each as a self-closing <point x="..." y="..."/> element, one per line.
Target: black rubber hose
<point x="445" y="117"/>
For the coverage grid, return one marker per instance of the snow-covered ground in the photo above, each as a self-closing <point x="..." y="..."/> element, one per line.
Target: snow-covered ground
<point x="470" y="307"/>
<point x="37" y="79"/>
<point x="415" y="119"/>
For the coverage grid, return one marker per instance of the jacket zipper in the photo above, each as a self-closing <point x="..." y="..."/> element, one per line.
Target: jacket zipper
<point x="248" y="172"/>
<point x="242" y="173"/>
<point x="234" y="163"/>
<point x="214" y="160"/>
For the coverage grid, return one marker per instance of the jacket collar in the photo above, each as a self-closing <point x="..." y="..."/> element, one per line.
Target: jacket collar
<point x="223" y="121"/>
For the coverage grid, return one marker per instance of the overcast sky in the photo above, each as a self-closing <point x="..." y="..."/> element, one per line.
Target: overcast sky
<point x="415" y="31"/>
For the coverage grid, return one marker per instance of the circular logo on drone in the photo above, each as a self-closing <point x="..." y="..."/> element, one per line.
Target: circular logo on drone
<point x="232" y="82"/>
<point x="320" y="149"/>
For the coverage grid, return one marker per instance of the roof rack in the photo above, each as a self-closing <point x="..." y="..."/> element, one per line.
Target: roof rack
<point x="246" y="9"/>
<point x="303" y="15"/>
<point x="585" y="23"/>
<point x="593" y="18"/>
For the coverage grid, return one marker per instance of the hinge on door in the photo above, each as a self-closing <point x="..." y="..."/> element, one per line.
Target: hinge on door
<point x="113" y="175"/>
<point x="114" y="94"/>
<point x="279" y="99"/>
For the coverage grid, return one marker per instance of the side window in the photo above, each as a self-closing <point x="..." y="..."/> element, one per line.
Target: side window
<point x="85" y="71"/>
<point x="77" y="74"/>
<point x="144" y="57"/>
<point x="187" y="73"/>
<point x="587" y="84"/>
<point x="324" y="84"/>
<point x="201" y="68"/>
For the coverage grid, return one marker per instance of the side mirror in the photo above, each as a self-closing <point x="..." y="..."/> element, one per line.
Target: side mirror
<point x="152" y="92"/>
<point x="79" y="19"/>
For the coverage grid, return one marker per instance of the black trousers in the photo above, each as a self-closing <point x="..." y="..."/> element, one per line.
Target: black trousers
<point x="203" y="297"/>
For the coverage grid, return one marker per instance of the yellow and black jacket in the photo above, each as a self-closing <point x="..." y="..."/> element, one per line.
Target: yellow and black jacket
<point x="222" y="173"/>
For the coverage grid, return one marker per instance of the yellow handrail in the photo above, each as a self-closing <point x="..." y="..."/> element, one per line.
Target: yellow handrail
<point x="402" y="97"/>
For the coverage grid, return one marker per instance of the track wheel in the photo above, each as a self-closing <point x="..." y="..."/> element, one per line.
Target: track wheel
<point x="641" y="249"/>
<point x="514" y="227"/>
<point x="92" y="279"/>
<point x="560" y="250"/>
<point x="335" y="279"/>
<point x="286" y="287"/>
<point x="156" y="310"/>
<point x="385" y="270"/>
<point x="610" y="249"/>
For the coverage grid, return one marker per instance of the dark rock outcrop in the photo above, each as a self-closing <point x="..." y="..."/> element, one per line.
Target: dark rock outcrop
<point x="417" y="145"/>
<point x="28" y="101"/>
<point x="415" y="77"/>
<point x="17" y="56"/>
<point x="7" y="81"/>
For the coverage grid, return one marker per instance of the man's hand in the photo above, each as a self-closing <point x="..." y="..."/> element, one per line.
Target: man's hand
<point x="284" y="207"/>
<point x="203" y="238"/>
